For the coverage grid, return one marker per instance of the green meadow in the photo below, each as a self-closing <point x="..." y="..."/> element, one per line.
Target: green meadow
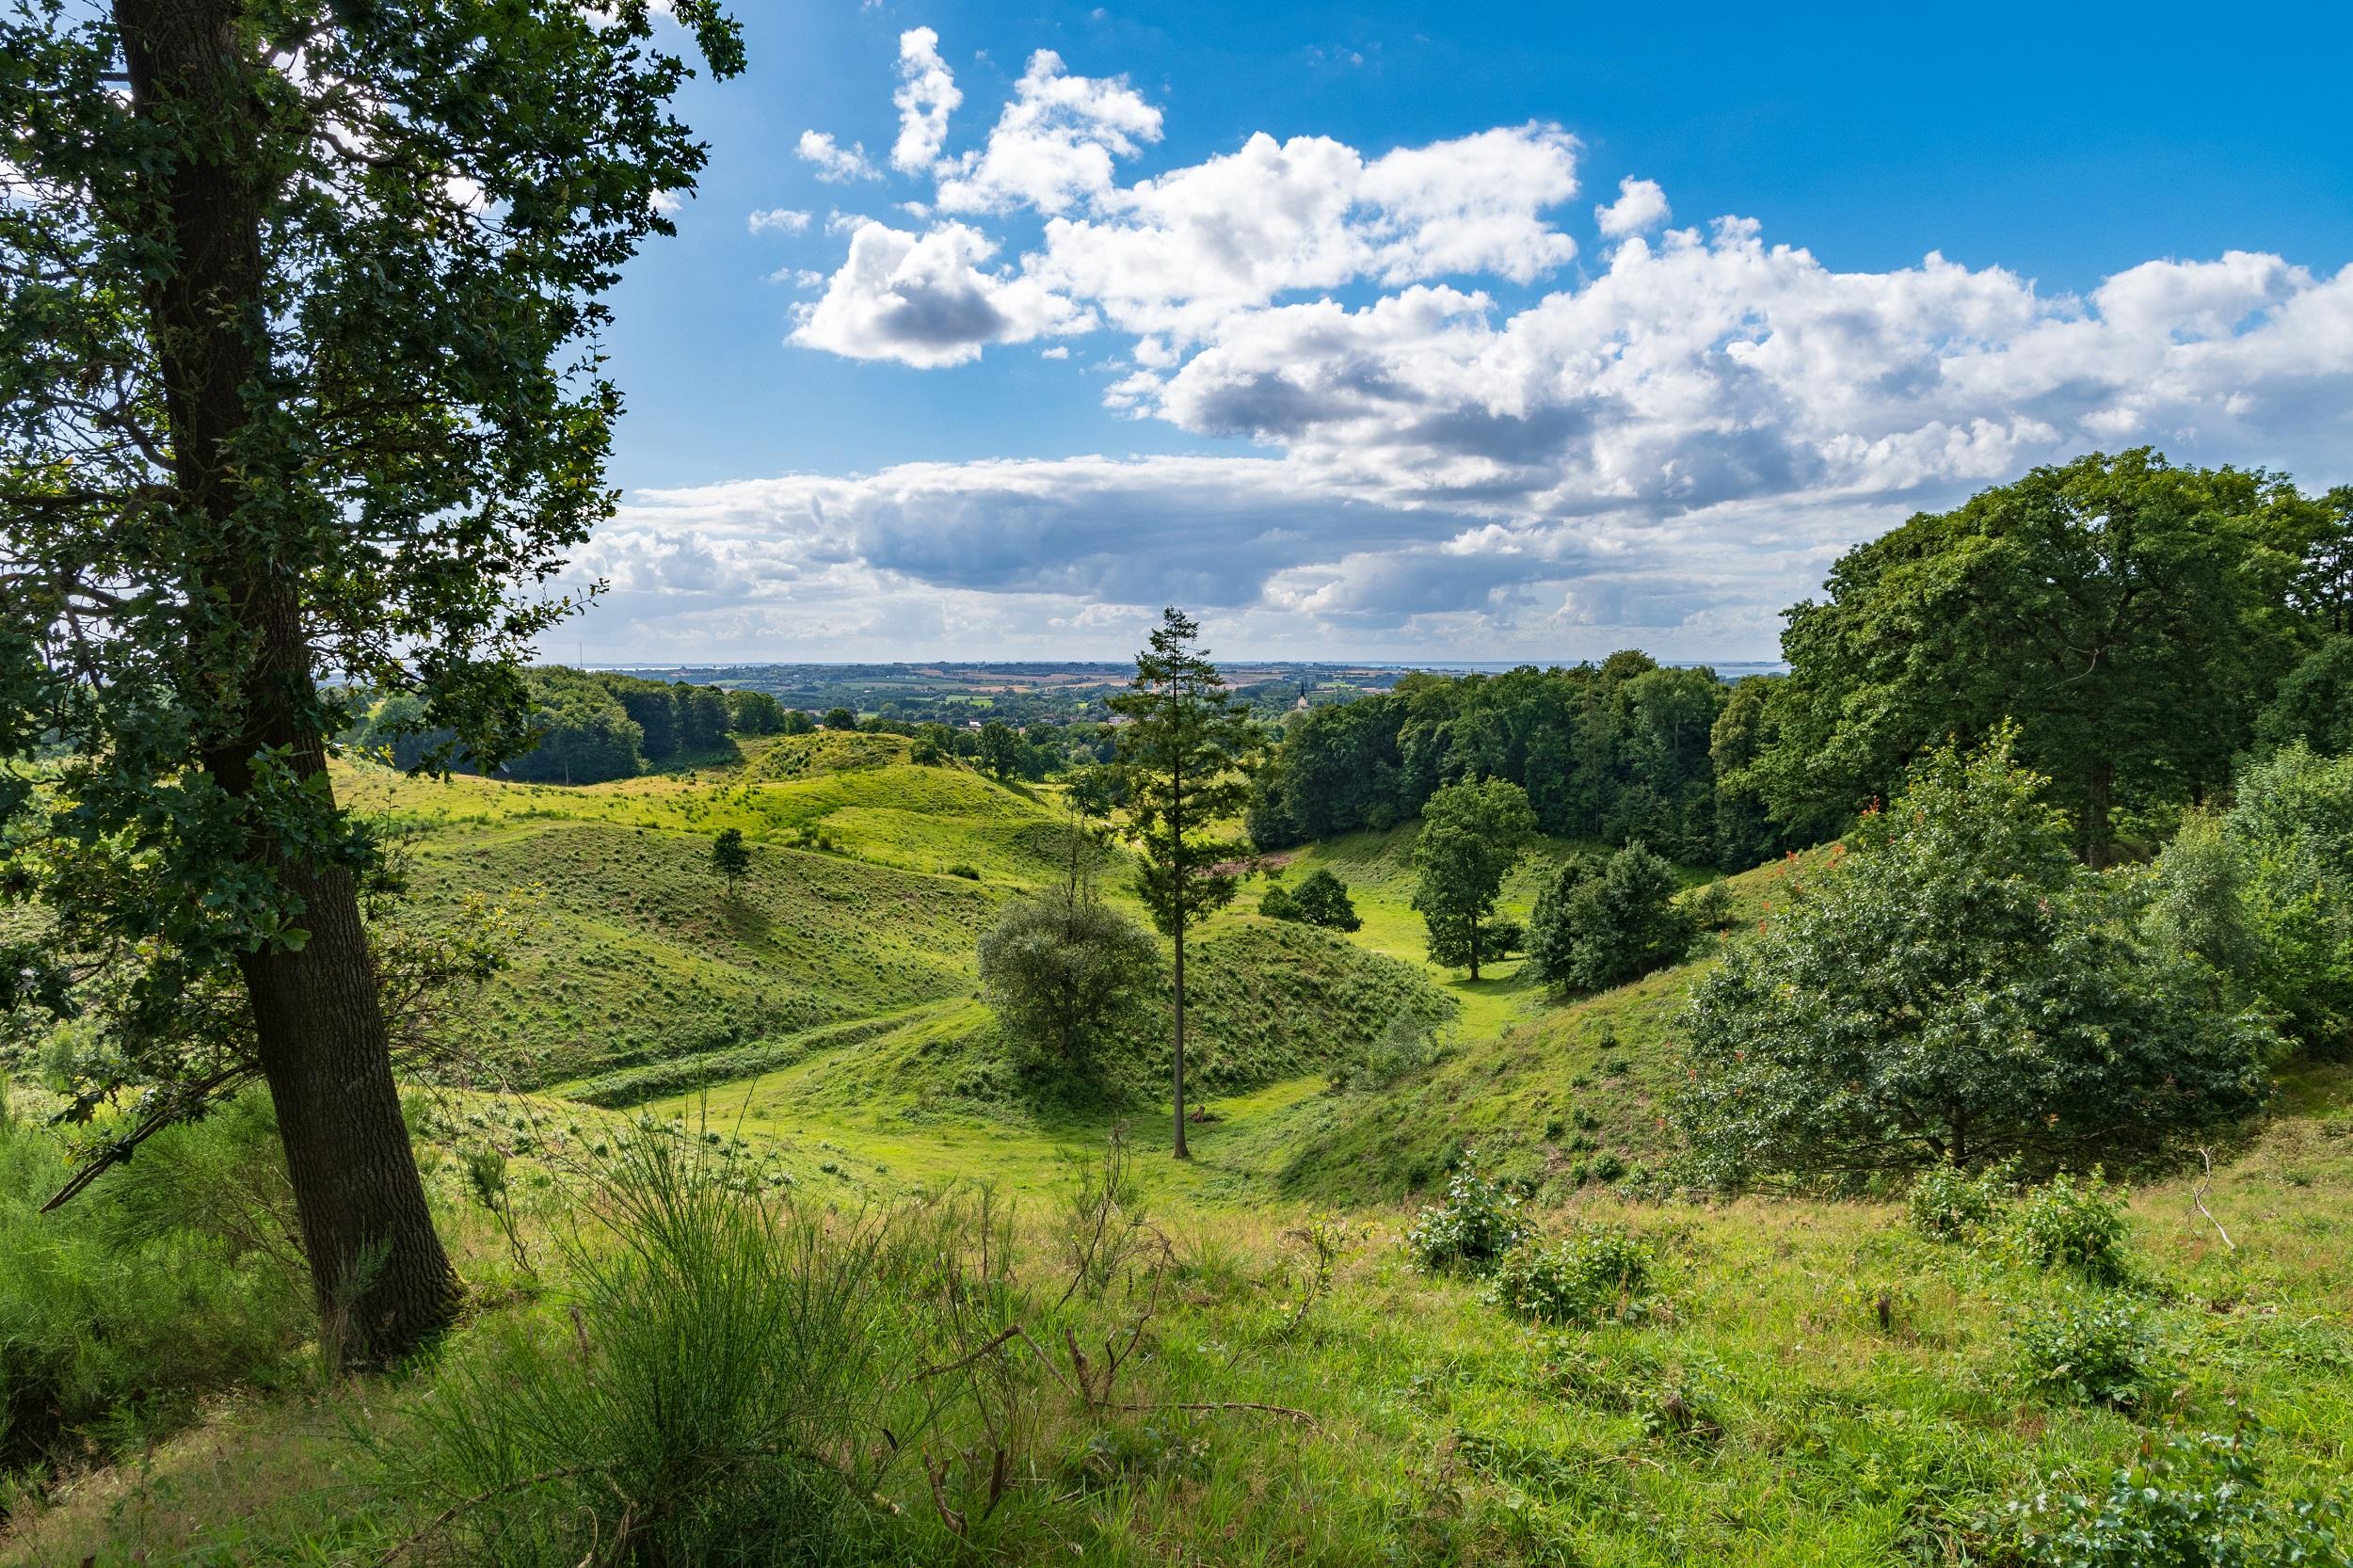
<point x="1797" y="1380"/>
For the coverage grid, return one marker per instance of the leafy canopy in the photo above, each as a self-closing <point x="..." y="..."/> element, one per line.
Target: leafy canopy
<point x="1472" y="835"/>
<point x="1598" y="924"/>
<point x="1959" y="987"/>
<point x="386" y="437"/>
<point x="2129" y="615"/>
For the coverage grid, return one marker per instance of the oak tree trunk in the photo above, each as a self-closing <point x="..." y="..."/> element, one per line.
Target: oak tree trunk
<point x="383" y="1281"/>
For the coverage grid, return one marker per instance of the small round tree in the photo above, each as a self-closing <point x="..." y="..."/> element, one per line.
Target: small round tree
<point x="1065" y="976"/>
<point x="1598" y="924"/>
<point x="1959" y="987"/>
<point x="730" y="857"/>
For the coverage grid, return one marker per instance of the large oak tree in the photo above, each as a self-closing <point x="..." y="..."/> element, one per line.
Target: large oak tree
<point x="299" y="387"/>
<point x="2130" y="616"/>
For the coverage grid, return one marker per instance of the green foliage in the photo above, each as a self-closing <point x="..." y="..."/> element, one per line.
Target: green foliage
<point x="839" y="719"/>
<point x="1471" y="835"/>
<point x="2198" y="902"/>
<point x="2315" y="704"/>
<point x="2129" y="617"/>
<point x="1183" y="759"/>
<point x="1481" y="1220"/>
<point x="1067" y="976"/>
<point x="2292" y="825"/>
<point x="732" y="1384"/>
<point x="1595" y="1274"/>
<point x="2061" y="1225"/>
<point x="1614" y="751"/>
<point x="1320" y="899"/>
<point x="1408" y="1044"/>
<point x="1945" y="1203"/>
<point x="2086" y="1349"/>
<point x="729" y="856"/>
<point x="176" y="1277"/>
<point x="1958" y="987"/>
<point x="1601" y="924"/>
<point x="2190" y="1500"/>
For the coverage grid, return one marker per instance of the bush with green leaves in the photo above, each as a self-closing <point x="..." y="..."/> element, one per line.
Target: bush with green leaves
<point x="1597" y="1273"/>
<point x="1602" y="923"/>
<point x="1945" y="1203"/>
<point x="2293" y="824"/>
<point x="1320" y="899"/>
<point x="1481" y="1219"/>
<point x="1066" y="974"/>
<point x="173" y="1277"/>
<point x="1959" y="988"/>
<point x="2086" y="1349"/>
<point x="1408" y="1044"/>
<point x="2067" y="1225"/>
<point x="2187" y="1501"/>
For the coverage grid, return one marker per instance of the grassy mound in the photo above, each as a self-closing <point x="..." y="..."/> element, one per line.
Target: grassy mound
<point x="634" y="953"/>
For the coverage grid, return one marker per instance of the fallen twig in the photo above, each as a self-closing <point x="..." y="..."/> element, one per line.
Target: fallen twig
<point x="2198" y="1199"/>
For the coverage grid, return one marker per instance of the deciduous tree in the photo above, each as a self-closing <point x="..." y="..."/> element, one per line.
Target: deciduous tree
<point x="1472" y="835"/>
<point x="298" y="380"/>
<point x="1959" y="987"/>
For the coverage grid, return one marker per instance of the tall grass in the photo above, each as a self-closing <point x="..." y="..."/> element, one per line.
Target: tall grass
<point x="170" y="1279"/>
<point x="728" y="1377"/>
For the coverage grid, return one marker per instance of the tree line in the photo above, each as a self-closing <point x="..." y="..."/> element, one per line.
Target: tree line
<point x="585" y="725"/>
<point x="2145" y="626"/>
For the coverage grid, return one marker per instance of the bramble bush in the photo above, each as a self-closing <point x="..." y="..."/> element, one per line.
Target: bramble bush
<point x="2061" y="1225"/>
<point x="2087" y="1350"/>
<point x="1481" y="1220"/>
<point x="1598" y="1273"/>
<point x="2190" y="1502"/>
<point x="1948" y="1203"/>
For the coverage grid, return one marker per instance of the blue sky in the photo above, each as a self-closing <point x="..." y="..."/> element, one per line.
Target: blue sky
<point x="1309" y="316"/>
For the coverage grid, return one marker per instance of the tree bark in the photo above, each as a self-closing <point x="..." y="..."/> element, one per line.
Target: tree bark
<point x="2098" y="796"/>
<point x="383" y="1281"/>
<point x="1177" y="1069"/>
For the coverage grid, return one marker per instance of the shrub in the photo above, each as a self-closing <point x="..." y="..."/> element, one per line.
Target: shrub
<point x="2063" y="1225"/>
<point x="1063" y="974"/>
<point x="2189" y="1502"/>
<point x="1407" y="1045"/>
<point x="970" y="874"/>
<point x="1600" y="1272"/>
<point x="1479" y="1222"/>
<point x="2293" y="824"/>
<point x="1948" y="1203"/>
<point x="2085" y="1350"/>
<point x="171" y="1277"/>
<point x="1320" y="899"/>
<point x="1959" y="988"/>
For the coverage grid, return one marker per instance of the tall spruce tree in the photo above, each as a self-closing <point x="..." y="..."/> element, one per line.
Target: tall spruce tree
<point x="1186" y="754"/>
<point x="299" y="386"/>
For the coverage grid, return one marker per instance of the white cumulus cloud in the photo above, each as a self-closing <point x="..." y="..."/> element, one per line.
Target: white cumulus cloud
<point x="1054" y="144"/>
<point x="927" y="95"/>
<point x="927" y="300"/>
<point x="834" y="163"/>
<point x="1641" y="205"/>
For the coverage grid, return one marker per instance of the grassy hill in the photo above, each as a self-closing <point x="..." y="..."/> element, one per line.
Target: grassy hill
<point x="1804" y="1383"/>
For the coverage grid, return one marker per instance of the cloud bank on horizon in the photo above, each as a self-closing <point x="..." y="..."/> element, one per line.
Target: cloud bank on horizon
<point x="1434" y="423"/>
